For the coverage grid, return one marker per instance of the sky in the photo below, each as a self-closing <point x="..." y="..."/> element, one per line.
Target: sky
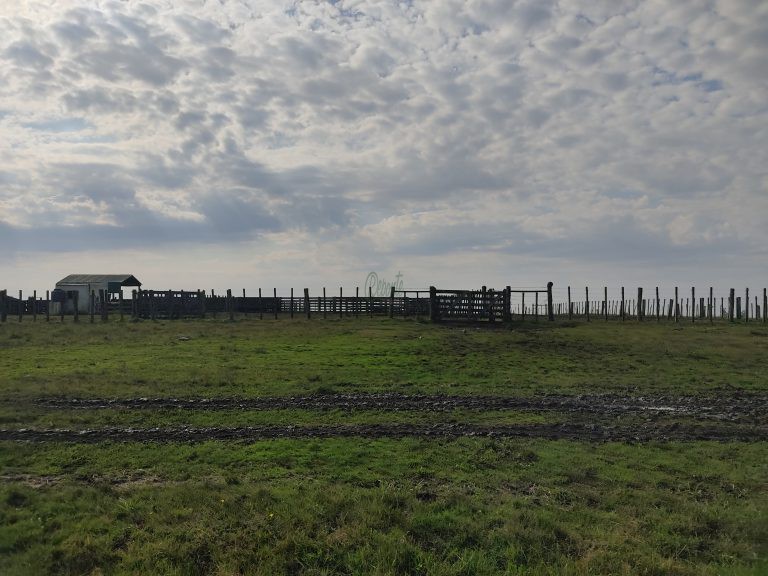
<point x="245" y="144"/>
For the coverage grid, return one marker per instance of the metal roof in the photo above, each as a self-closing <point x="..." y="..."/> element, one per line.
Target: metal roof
<point x="123" y="279"/>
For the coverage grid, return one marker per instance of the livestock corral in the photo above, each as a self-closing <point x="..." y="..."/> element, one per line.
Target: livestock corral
<point x="485" y="304"/>
<point x="369" y="443"/>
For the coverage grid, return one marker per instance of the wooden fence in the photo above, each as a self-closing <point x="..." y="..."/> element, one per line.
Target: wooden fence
<point x="642" y="306"/>
<point x="486" y="304"/>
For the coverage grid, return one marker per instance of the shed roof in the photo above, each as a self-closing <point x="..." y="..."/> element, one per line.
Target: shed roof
<point x="123" y="279"/>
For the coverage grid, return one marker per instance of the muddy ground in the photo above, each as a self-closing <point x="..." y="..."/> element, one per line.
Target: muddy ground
<point x="732" y="407"/>
<point x="729" y="416"/>
<point x="644" y="432"/>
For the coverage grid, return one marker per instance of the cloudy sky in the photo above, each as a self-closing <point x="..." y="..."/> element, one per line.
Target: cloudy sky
<point x="247" y="143"/>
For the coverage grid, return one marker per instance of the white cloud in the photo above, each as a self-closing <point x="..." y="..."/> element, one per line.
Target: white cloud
<point x="390" y="130"/>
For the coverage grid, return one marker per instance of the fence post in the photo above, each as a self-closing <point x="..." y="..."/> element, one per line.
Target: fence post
<point x="605" y="302"/>
<point x="152" y="305"/>
<point x="570" y="305"/>
<point x="392" y="302"/>
<point x="3" y="305"/>
<point x="765" y="305"/>
<point x="341" y="302"/>
<point x="274" y="302"/>
<point x="677" y="309"/>
<point x="586" y="302"/>
<point x="522" y="306"/>
<point x="746" y="307"/>
<point x="169" y="304"/>
<point x="230" y="305"/>
<point x="507" y="303"/>
<point x="101" y="303"/>
<point x="550" y="308"/>
<point x="357" y="301"/>
<point x="731" y="304"/>
<point x="658" y="312"/>
<point x="34" y="306"/>
<point x="261" y="306"/>
<point x="306" y="302"/>
<point x="623" y="308"/>
<point x="693" y="304"/>
<point x="434" y="309"/>
<point x="291" y="302"/>
<point x="243" y="307"/>
<point x="757" y="309"/>
<point x="711" y="305"/>
<point x="20" y="309"/>
<point x="325" y="305"/>
<point x="639" y="304"/>
<point x="200" y="303"/>
<point x="370" y="301"/>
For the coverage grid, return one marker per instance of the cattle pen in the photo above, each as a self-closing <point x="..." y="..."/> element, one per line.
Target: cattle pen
<point x="510" y="304"/>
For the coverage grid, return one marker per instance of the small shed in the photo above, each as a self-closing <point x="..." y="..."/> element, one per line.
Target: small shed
<point x="79" y="286"/>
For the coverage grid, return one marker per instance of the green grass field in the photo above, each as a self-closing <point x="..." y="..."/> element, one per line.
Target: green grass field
<point x="353" y="505"/>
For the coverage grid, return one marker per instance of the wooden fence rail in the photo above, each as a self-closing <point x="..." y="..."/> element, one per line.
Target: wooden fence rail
<point x="486" y="304"/>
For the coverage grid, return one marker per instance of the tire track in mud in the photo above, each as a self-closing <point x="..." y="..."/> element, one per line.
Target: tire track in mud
<point x="734" y="407"/>
<point x="568" y="431"/>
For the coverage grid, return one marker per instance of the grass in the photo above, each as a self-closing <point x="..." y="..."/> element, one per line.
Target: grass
<point x="468" y="506"/>
<point x="364" y="506"/>
<point x="261" y="358"/>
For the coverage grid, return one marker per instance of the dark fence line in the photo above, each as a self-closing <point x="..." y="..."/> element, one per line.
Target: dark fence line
<point x="690" y="306"/>
<point x="436" y="304"/>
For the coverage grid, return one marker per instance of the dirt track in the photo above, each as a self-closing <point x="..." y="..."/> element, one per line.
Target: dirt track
<point x="733" y="407"/>
<point x="589" y="432"/>
<point x="730" y="416"/>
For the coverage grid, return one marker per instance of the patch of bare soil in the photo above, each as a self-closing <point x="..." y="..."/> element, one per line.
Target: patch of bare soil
<point x="644" y="432"/>
<point x="733" y="407"/>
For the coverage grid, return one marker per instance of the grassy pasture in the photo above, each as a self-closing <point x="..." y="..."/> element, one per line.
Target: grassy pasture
<point x="368" y="506"/>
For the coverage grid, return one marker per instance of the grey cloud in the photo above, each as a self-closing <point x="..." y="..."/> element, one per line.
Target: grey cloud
<point x="101" y="100"/>
<point x="73" y="33"/>
<point x="218" y="63"/>
<point x="188" y="119"/>
<point x="148" y="64"/>
<point x="27" y="54"/>
<point x="237" y="213"/>
<point x="201" y="31"/>
<point x="532" y="14"/>
<point x="155" y="170"/>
